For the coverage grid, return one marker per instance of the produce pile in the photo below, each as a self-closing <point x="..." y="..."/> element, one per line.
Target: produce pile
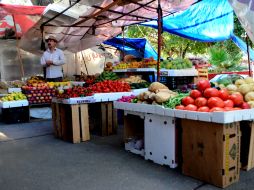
<point x="106" y="86"/>
<point x="146" y="63"/>
<point x="41" y="92"/>
<point x="76" y="91"/>
<point x="15" y="96"/>
<point x="35" y="79"/>
<point x="157" y="94"/>
<point x="109" y="86"/>
<point x="177" y="63"/>
<point x="136" y="82"/>
<point x="245" y="87"/>
<point x="106" y="75"/>
<point x="208" y="99"/>
<point x="203" y="99"/>
<point x="4" y="85"/>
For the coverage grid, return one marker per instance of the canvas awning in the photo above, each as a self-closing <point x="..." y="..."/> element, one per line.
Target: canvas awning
<point x="87" y="23"/>
<point x="24" y="17"/>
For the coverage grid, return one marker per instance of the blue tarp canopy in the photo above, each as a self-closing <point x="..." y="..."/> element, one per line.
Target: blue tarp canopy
<point x="206" y="21"/>
<point x="138" y="47"/>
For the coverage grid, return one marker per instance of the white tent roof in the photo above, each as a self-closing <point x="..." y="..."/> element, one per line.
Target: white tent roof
<point x="90" y="22"/>
<point x="245" y="13"/>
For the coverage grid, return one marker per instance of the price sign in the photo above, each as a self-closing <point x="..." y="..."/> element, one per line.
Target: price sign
<point x="163" y="73"/>
<point x="131" y="70"/>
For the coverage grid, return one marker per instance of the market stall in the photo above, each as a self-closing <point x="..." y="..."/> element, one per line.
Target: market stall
<point x="208" y="118"/>
<point x="210" y="122"/>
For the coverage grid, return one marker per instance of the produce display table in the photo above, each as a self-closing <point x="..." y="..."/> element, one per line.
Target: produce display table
<point x="75" y="118"/>
<point x="210" y="141"/>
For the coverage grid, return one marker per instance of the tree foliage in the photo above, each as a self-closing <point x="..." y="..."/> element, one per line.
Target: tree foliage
<point x="172" y="45"/>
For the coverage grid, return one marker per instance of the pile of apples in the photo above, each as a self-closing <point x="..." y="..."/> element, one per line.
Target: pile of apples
<point x="38" y="93"/>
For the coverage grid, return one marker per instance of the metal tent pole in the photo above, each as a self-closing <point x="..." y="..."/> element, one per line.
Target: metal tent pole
<point x="159" y="10"/>
<point x="123" y="42"/>
<point x="248" y="54"/>
<point x="18" y="50"/>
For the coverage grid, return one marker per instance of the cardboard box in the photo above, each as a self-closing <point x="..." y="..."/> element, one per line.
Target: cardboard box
<point x="211" y="151"/>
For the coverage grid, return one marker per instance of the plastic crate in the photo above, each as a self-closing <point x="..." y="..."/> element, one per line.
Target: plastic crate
<point x="15" y="115"/>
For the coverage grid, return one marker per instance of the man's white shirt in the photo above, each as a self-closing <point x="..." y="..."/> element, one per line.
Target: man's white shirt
<point x="57" y="56"/>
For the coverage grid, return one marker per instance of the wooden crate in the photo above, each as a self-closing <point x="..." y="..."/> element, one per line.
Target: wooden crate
<point x="247" y="145"/>
<point x="102" y="118"/>
<point x="211" y="151"/>
<point x="71" y="122"/>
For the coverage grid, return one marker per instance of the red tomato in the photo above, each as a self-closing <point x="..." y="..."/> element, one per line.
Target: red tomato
<point x="201" y="101"/>
<point x="191" y="107"/>
<point x="211" y="92"/>
<point x="203" y="109"/>
<point x="203" y="84"/>
<point x="180" y="107"/>
<point x="228" y="108"/>
<point x="229" y="103"/>
<point x="245" y="105"/>
<point x="187" y="100"/>
<point x="215" y="102"/>
<point x="216" y="109"/>
<point x="223" y="94"/>
<point x="236" y="98"/>
<point x="195" y="94"/>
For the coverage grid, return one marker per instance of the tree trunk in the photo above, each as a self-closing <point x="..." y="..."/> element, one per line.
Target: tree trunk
<point x="185" y="50"/>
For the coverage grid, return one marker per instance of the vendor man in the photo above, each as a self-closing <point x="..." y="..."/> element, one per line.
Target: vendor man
<point x="53" y="59"/>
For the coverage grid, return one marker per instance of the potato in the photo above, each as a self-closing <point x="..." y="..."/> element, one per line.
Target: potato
<point x="161" y="97"/>
<point x="156" y="86"/>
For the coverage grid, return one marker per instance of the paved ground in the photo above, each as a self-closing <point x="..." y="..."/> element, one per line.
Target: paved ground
<point x="32" y="159"/>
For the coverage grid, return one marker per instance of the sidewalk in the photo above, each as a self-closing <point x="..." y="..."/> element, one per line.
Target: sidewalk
<point x="32" y="159"/>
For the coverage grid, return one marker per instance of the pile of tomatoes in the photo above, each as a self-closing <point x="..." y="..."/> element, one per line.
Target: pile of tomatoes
<point x="208" y="99"/>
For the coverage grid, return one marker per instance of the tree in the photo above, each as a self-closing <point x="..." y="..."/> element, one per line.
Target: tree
<point x="172" y="45"/>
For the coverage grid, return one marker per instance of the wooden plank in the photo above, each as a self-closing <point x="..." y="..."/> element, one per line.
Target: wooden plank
<point x="110" y="118"/>
<point x="53" y="107"/>
<point x="103" y="119"/>
<point x="85" y="134"/>
<point x="75" y="123"/>
<point x="115" y="123"/>
<point x="251" y="149"/>
<point x="63" y="122"/>
<point x="58" y="121"/>
<point x="247" y="141"/>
